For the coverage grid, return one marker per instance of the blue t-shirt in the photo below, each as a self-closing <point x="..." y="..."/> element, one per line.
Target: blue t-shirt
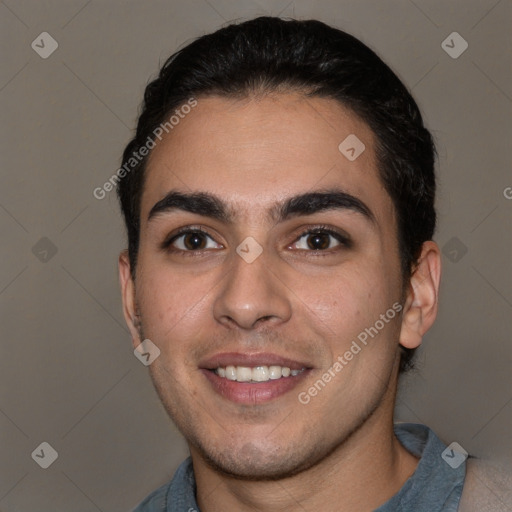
<point x="435" y="486"/>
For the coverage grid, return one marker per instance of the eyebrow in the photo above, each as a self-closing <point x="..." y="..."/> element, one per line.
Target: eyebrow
<point x="209" y="205"/>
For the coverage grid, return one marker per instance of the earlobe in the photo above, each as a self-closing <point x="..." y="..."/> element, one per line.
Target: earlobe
<point x="421" y="304"/>
<point x="131" y="314"/>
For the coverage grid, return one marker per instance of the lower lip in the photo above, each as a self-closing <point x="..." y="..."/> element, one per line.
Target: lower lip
<point x="253" y="392"/>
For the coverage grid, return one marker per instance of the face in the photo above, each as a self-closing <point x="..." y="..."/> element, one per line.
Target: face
<point x="265" y="256"/>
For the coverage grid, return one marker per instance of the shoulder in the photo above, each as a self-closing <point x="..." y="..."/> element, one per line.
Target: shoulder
<point x="156" y="501"/>
<point x="487" y="487"/>
<point x="175" y="496"/>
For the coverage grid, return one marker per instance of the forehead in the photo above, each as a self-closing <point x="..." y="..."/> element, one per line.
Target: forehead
<point x="256" y="151"/>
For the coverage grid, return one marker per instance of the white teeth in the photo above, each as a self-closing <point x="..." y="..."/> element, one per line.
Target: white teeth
<point x="243" y="374"/>
<point x="260" y="374"/>
<point x="274" y="372"/>
<point x="255" y="374"/>
<point x="230" y="372"/>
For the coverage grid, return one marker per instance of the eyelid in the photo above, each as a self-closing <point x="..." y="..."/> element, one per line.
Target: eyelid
<point x="169" y="239"/>
<point x="340" y="236"/>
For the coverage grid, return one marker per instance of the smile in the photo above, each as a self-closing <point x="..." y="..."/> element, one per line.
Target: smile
<point x="253" y="378"/>
<point x="255" y="373"/>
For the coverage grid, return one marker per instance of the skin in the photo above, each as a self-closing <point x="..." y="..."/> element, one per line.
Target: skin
<point x="338" y="452"/>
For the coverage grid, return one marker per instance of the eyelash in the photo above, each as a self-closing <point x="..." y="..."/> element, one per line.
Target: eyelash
<point x="167" y="243"/>
<point x="321" y="229"/>
<point x="344" y="240"/>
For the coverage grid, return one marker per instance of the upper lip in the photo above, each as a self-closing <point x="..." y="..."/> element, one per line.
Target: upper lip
<point x="255" y="359"/>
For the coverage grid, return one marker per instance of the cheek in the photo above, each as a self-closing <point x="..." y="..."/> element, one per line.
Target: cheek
<point x="173" y="308"/>
<point x="345" y="296"/>
<point x="342" y="306"/>
<point x="171" y="303"/>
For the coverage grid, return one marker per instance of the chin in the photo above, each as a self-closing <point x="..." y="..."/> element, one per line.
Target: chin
<point x="254" y="461"/>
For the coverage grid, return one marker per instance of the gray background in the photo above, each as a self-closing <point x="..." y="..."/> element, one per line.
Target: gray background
<point x="69" y="376"/>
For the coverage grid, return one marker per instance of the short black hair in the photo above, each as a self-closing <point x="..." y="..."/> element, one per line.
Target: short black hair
<point x="270" y="54"/>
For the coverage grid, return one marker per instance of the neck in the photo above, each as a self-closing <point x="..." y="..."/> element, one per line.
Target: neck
<point x="361" y="474"/>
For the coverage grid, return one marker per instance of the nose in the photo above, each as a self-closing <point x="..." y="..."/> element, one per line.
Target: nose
<point x="251" y="295"/>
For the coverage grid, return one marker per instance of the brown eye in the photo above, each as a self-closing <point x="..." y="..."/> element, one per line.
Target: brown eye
<point x="194" y="241"/>
<point x="321" y="240"/>
<point x="318" y="241"/>
<point x="191" y="240"/>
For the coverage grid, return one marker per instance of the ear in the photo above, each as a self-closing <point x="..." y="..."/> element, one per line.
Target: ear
<point x="421" y="303"/>
<point x="131" y="314"/>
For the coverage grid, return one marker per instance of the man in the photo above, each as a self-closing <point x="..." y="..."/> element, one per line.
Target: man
<point x="279" y="202"/>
